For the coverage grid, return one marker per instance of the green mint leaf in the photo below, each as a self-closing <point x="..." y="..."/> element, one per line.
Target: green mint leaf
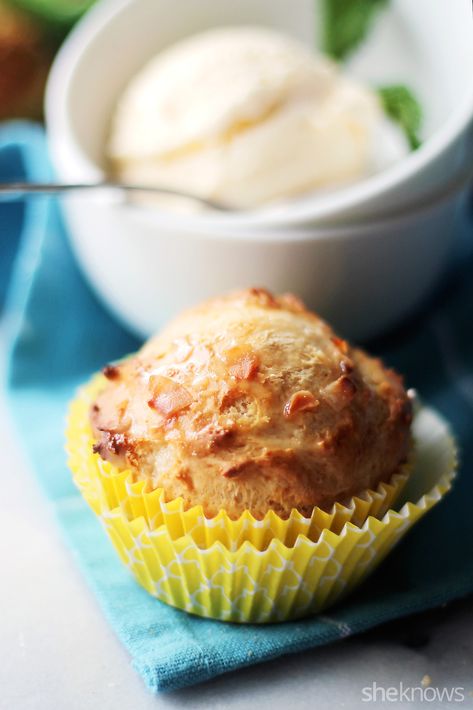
<point x="402" y="107"/>
<point x="56" y="12"/>
<point x="346" y="23"/>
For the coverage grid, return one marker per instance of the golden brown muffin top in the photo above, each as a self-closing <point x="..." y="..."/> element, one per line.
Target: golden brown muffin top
<point x="251" y="401"/>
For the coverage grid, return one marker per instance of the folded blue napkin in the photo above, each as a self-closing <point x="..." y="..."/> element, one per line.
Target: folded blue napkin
<point x="59" y="334"/>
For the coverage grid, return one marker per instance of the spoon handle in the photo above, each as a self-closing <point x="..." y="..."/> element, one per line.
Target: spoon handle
<point x="50" y="188"/>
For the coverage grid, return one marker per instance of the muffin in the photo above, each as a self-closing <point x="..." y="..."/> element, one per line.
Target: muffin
<point x="24" y="60"/>
<point x="250" y="402"/>
<point x="247" y="463"/>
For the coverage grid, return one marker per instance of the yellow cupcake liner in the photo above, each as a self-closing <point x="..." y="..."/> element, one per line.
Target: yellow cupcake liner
<point x="280" y="582"/>
<point x="106" y="488"/>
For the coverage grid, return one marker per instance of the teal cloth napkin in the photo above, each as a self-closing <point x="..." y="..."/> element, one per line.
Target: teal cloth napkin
<point x="59" y="334"/>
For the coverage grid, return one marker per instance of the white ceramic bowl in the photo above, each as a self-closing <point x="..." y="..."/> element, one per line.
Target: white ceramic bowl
<point x="361" y="271"/>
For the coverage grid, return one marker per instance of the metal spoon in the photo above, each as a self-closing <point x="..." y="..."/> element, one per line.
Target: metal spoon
<point x="24" y="188"/>
<point x="441" y="194"/>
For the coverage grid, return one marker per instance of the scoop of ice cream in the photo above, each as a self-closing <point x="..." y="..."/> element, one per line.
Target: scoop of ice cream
<point x="243" y="115"/>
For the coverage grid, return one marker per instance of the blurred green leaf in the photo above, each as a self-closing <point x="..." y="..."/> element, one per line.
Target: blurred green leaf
<point x="346" y="23"/>
<point x="402" y="107"/>
<point x="59" y="15"/>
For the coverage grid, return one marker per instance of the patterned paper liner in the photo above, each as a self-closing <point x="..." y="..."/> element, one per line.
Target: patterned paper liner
<point x="256" y="583"/>
<point x="280" y="582"/>
<point x="106" y="488"/>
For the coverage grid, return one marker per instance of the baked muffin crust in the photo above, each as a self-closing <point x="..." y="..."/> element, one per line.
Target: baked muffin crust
<point x="251" y="401"/>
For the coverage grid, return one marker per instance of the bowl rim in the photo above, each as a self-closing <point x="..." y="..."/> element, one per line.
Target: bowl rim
<point x="295" y="234"/>
<point x="296" y="213"/>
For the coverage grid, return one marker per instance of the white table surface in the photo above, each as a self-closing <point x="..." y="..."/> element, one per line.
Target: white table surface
<point x="57" y="652"/>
